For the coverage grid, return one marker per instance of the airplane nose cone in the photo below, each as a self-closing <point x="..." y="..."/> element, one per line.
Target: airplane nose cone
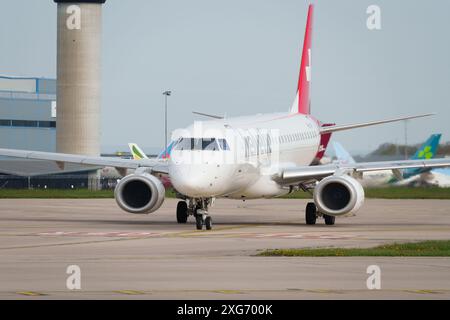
<point x="199" y="180"/>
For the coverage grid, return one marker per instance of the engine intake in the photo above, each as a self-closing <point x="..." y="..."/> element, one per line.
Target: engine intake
<point x="139" y="193"/>
<point x="338" y="195"/>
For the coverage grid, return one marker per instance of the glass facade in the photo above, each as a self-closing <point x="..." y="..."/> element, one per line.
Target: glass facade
<point x="27" y="123"/>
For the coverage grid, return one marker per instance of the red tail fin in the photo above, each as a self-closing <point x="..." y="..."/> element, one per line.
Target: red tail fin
<point x="301" y="104"/>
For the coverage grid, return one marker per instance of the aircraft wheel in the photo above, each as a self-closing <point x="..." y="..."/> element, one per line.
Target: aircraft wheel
<point x="208" y="223"/>
<point x="182" y="212"/>
<point x="329" y="220"/>
<point x="199" y="221"/>
<point x="311" y="213"/>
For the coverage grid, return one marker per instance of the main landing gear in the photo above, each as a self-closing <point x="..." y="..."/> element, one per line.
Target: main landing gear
<point x="311" y="215"/>
<point x="197" y="208"/>
<point x="182" y="212"/>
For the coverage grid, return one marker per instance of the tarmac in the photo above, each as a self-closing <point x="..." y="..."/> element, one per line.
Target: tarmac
<point x="126" y="256"/>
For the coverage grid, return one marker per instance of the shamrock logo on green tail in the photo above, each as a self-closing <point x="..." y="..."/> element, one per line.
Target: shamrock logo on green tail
<point x="426" y="153"/>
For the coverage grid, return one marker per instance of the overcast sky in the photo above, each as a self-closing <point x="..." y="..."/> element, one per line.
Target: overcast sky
<point x="240" y="57"/>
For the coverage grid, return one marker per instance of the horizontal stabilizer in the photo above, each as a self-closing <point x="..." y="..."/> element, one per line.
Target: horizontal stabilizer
<point x="367" y="124"/>
<point x="207" y="115"/>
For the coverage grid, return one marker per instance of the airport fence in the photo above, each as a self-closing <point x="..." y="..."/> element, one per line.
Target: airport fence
<point x="57" y="182"/>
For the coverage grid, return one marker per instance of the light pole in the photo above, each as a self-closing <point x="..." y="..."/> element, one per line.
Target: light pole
<point x="406" y="139"/>
<point x="166" y="94"/>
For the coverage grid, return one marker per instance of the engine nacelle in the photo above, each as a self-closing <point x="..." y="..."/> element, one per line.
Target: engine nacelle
<point x="139" y="193"/>
<point x="338" y="195"/>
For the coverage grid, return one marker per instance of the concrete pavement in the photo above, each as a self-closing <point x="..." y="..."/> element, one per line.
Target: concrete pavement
<point x="152" y="257"/>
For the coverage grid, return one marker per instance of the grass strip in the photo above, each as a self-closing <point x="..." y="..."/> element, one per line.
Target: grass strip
<point x="437" y="248"/>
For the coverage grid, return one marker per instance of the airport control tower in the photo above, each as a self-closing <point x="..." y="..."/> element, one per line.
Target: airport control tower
<point x="78" y="77"/>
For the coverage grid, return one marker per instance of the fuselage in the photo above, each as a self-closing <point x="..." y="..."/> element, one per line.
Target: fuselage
<point x="237" y="157"/>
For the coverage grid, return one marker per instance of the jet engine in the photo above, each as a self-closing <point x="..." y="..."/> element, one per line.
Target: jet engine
<point x="139" y="193"/>
<point x="338" y="195"/>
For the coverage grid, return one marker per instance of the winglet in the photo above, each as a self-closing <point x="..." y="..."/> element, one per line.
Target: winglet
<point x="302" y="103"/>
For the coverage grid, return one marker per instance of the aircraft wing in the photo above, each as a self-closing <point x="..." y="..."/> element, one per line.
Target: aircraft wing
<point x="61" y="158"/>
<point x="306" y="173"/>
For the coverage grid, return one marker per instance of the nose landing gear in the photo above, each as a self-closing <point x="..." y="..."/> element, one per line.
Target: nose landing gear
<point x="203" y="219"/>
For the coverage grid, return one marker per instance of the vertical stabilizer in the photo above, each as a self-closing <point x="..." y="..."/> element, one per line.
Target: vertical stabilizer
<point x="342" y="155"/>
<point x="426" y="151"/>
<point x="137" y="152"/>
<point x="429" y="148"/>
<point x="302" y="102"/>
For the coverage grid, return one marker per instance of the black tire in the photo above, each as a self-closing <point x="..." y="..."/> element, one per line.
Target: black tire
<point x="208" y="223"/>
<point x="182" y="212"/>
<point x="329" y="220"/>
<point x="311" y="213"/>
<point x="199" y="221"/>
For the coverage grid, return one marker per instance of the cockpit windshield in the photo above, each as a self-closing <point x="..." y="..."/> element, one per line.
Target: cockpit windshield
<point x="208" y="144"/>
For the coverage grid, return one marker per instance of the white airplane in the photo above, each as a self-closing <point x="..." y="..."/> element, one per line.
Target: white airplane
<point x="379" y="178"/>
<point x="436" y="178"/>
<point x="259" y="156"/>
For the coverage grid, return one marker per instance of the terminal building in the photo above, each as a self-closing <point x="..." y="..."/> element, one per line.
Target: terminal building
<point x="28" y="113"/>
<point x="28" y="121"/>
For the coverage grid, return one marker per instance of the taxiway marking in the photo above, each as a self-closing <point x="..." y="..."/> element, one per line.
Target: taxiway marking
<point x="130" y="292"/>
<point x="31" y="293"/>
<point x="217" y="233"/>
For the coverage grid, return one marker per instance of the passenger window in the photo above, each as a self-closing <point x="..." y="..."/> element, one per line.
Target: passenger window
<point x="224" y="144"/>
<point x="209" y="144"/>
<point x="183" y="144"/>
